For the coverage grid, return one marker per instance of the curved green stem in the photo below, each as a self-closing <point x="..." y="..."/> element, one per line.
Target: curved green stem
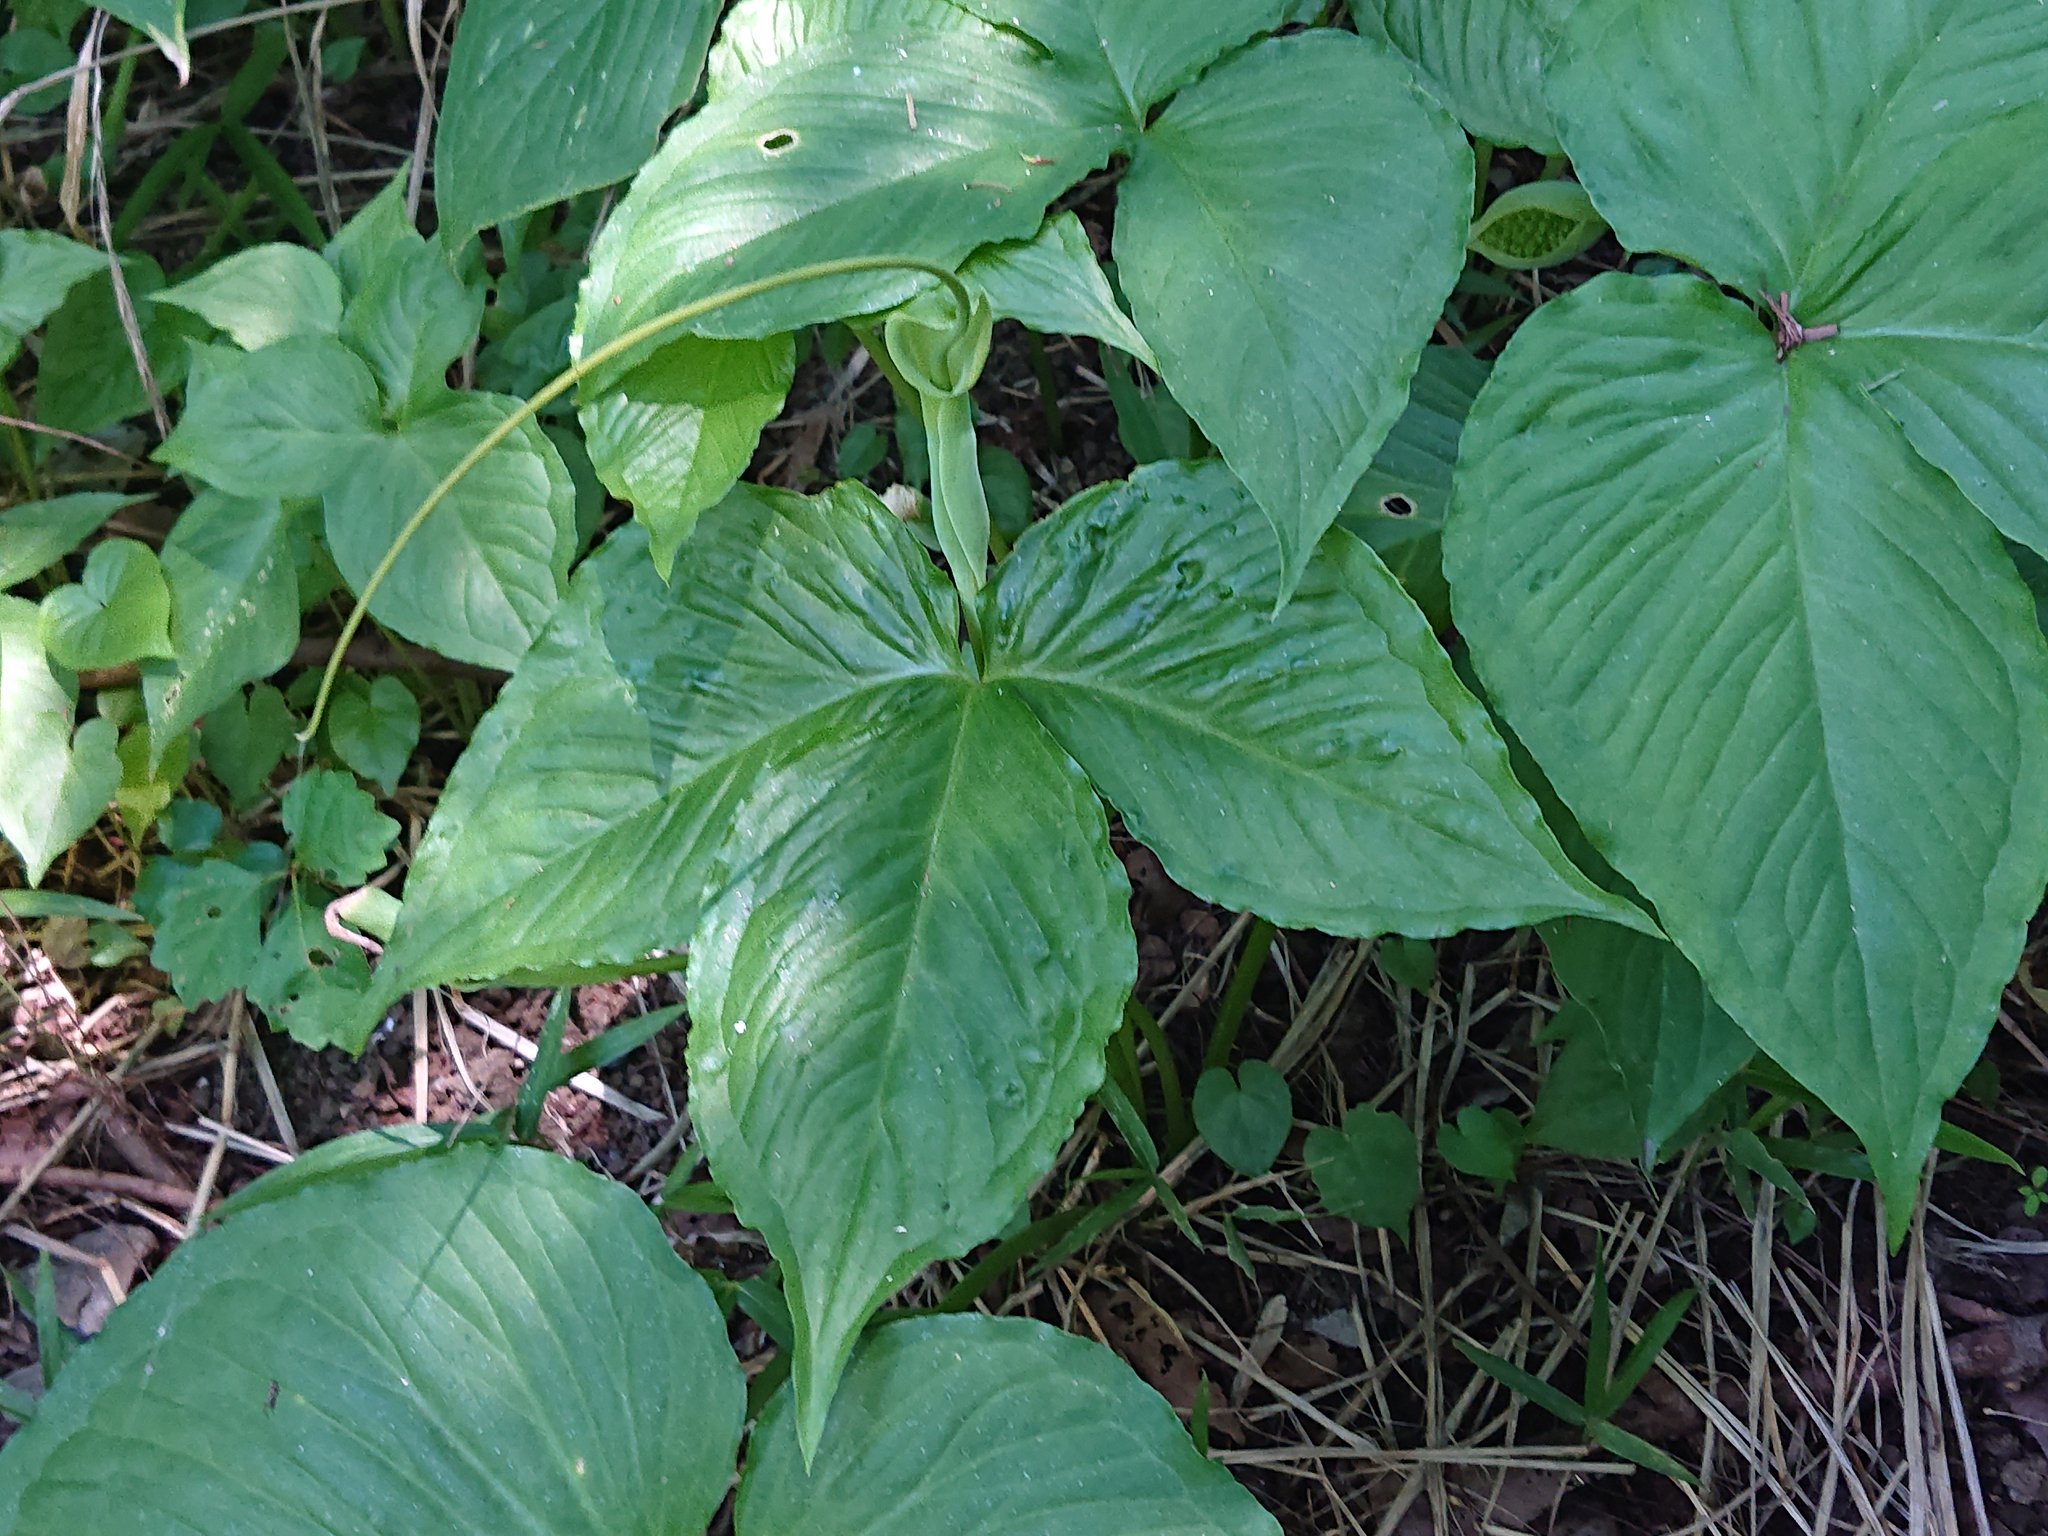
<point x="569" y="378"/>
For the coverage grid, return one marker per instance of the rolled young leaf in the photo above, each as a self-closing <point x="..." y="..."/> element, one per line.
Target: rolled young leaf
<point x="576" y="833"/>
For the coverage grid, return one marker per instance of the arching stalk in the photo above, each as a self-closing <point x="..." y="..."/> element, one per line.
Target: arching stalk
<point x="567" y="380"/>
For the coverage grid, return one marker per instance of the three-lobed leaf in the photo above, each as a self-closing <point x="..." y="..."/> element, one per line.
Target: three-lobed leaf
<point x="1786" y="678"/>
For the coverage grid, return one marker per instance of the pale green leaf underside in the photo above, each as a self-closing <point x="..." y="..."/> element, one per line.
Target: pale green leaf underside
<point x="676" y="432"/>
<point x="52" y="786"/>
<point x="264" y="294"/>
<point x="576" y="830"/>
<point x="756" y="35"/>
<point x="1484" y="59"/>
<point x="486" y="1340"/>
<point x="1785" y="677"/>
<point x="1053" y="283"/>
<point x="1042" y="1432"/>
<point x="923" y="144"/>
<point x="900" y="994"/>
<point x="545" y="100"/>
<point x="1743" y="134"/>
<point x="486" y="568"/>
<point x="234" y="609"/>
<point x="1132" y="54"/>
<point x="1287" y="233"/>
<point x="1322" y="767"/>
<point x="1671" y="1043"/>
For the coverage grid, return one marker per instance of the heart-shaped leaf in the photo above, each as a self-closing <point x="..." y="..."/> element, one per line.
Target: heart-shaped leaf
<point x="53" y="785"/>
<point x="1245" y="1117"/>
<point x="120" y="610"/>
<point x="335" y="827"/>
<point x="1366" y="1169"/>
<point x="373" y="727"/>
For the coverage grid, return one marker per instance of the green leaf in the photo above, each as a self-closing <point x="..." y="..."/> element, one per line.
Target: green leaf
<point x="1288" y="231"/>
<point x="284" y="422"/>
<point x="1410" y="962"/>
<point x="675" y="433"/>
<point x="335" y="827"/>
<point x="1245" y="1118"/>
<point x="1053" y="283"/>
<point x="577" y="831"/>
<point x="1321" y="767"/>
<point x="942" y="863"/>
<point x="164" y="21"/>
<point x="242" y="740"/>
<point x="487" y="568"/>
<point x="35" y="535"/>
<point x="493" y="1360"/>
<point x="1785" y="677"/>
<point x="545" y="100"/>
<point x="190" y="826"/>
<point x="1949" y="339"/>
<point x="37" y="271"/>
<point x="208" y="916"/>
<point x="234" y="596"/>
<point x="1398" y="505"/>
<point x="263" y="294"/>
<point x="411" y="318"/>
<point x="88" y="380"/>
<point x="982" y="1423"/>
<point x="150" y="778"/>
<point x="310" y="984"/>
<point x="1515" y="1379"/>
<point x="1634" y="1448"/>
<point x="378" y="233"/>
<point x="53" y="785"/>
<point x="374" y="726"/>
<point x="1367" y="1169"/>
<point x="1132" y="57"/>
<point x="119" y="610"/>
<point x="1482" y="1144"/>
<point x="1537" y="224"/>
<point x="1484" y="59"/>
<point x="1669" y="1041"/>
<point x="756" y="35"/>
<point x="827" y="164"/>
<point x="1574" y="1110"/>
<point x="1750" y="136"/>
